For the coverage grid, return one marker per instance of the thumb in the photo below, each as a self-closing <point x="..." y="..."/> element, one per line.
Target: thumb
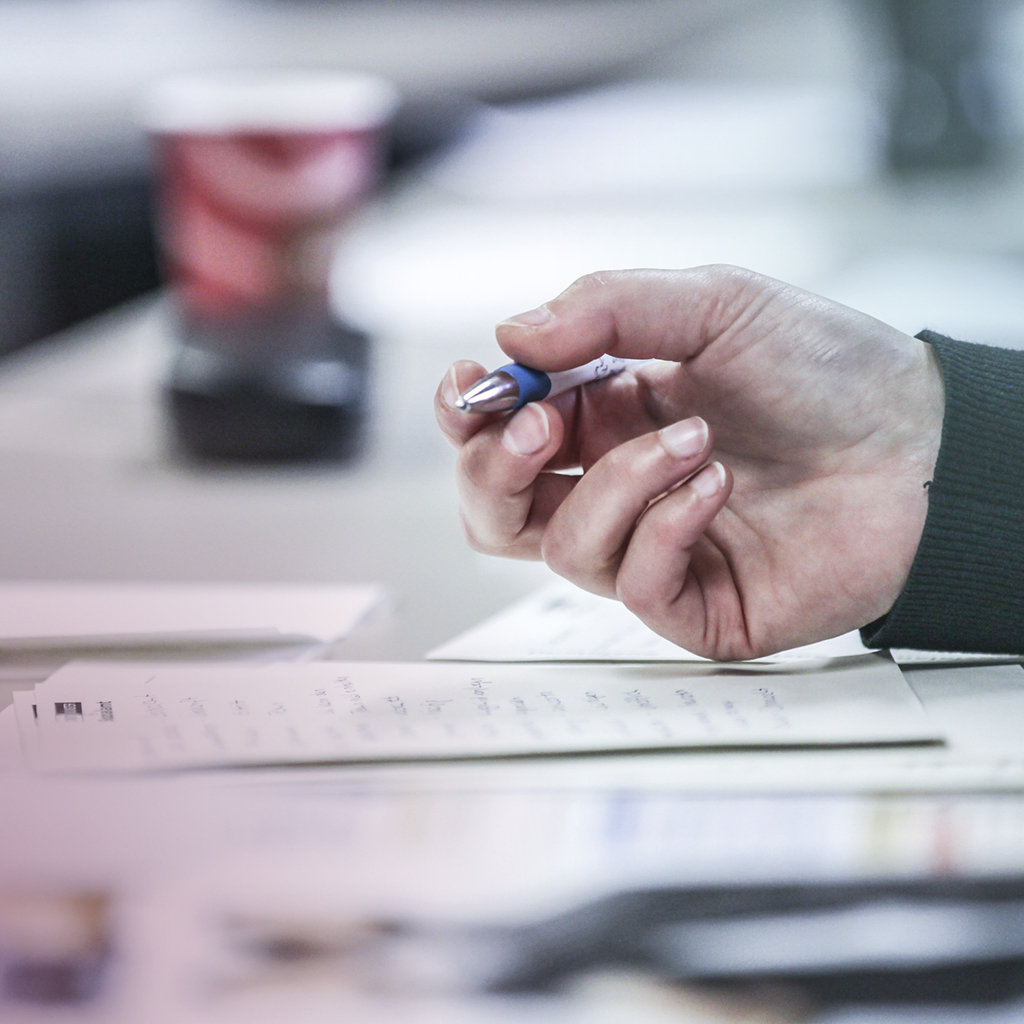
<point x="638" y="314"/>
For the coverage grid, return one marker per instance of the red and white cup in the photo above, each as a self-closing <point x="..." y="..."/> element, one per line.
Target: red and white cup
<point x="256" y="174"/>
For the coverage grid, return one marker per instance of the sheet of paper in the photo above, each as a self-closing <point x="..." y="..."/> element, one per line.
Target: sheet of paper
<point x="906" y="656"/>
<point x="563" y="623"/>
<point x="11" y="756"/>
<point x="26" y="713"/>
<point x="978" y="708"/>
<point x="117" y="716"/>
<point x="33" y="664"/>
<point x="54" y="614"/>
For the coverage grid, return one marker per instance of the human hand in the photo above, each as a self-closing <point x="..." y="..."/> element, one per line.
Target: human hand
<point x="817" y="428"/>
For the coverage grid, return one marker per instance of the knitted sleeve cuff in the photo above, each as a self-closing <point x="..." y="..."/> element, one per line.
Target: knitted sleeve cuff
<point x="965" y="591"/>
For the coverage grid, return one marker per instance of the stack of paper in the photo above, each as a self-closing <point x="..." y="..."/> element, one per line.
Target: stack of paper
<point x="95" y="716"/>
<point x="45" y="625"/>
<point x="64" y="614"/>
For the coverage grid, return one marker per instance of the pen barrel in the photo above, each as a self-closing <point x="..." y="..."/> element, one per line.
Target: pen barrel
<point x="512" y="386"/>
<point x="596" y="369"/>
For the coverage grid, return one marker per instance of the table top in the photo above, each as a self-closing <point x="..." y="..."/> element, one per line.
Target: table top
<point x="94" y="491"/>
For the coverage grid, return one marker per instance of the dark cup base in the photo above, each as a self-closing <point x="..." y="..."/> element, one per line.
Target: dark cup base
<point x="250" y="423"/>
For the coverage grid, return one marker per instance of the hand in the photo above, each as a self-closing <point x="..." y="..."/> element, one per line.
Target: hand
<point x="760" y="487"/>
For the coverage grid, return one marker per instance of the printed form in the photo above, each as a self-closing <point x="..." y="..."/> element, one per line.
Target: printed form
<point x="111" y="716"/>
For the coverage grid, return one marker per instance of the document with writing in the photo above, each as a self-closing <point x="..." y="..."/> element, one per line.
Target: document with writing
<point x="118" y="716"/>
<point x="563" y="623"/>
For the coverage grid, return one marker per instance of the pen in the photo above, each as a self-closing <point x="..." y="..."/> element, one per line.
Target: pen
<point x="510" y="387"/>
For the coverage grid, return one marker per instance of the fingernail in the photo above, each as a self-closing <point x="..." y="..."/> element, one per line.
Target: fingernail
<point x="450" y="388"/>
<point x="533" y="318"/>
<point x="527" y="432"/>
<point x="686" y="438"/>
<point x="710" y="480"/>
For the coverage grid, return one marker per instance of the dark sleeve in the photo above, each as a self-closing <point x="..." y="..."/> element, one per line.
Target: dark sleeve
<point x="965" y="591"/>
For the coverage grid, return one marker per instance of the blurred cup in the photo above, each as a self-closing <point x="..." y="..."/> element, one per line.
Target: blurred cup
<point x="256" y="175"/>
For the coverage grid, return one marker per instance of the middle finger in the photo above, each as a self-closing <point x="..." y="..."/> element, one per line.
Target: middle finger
<point x="588" y="533"/>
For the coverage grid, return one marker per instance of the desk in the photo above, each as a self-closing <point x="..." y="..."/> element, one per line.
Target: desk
<point x="91" y="492"/>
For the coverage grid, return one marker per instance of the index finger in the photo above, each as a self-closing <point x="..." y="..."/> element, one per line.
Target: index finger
<point x="638" y="314"/>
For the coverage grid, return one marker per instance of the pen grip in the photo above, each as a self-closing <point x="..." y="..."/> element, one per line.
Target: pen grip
<point x="534" y="385"/>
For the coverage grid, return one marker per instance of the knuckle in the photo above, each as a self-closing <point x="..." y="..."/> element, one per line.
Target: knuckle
<point x="555" y="551"/>
<point x="586" y="282"/>
<point x="637" y="596"/>
<point x="475" y="465"/>
<point x="469" y="531"/>
<point x="475" y="544"/>
<point x="728" y="273"/>
<point x="625" y="466"/>
<point x="451" y="432"/>
<point x="569" y="553"/>
<point x="635" y="472"/>
<point x="622" y="459"/>
<point x="667" y="524"/>
<point x="477" y="539"/>
<point x="563" y="554"/>
<point x="596" y="280"/>
<point x="661" y="532"/>
<point x="737" y="287"/>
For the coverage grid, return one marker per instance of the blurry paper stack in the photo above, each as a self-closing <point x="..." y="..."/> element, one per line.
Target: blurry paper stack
<point x="45" y="625"/>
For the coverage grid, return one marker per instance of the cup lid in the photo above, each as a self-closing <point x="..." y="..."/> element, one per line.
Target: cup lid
<point x="269" y="101"/>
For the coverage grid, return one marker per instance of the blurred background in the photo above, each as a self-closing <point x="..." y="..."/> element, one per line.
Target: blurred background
<point x="870" y="150"/>
<point x="898" y="122"/>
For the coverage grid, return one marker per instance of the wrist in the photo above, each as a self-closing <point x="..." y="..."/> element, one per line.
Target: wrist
<point x="962" y="592"/>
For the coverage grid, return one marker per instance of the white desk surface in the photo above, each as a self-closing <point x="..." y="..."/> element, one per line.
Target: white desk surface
<point x="91" y="491"/>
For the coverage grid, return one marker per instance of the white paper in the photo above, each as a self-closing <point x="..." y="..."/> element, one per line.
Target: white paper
<point x="563" y="623"/>
<point x="117" y="716"/>
<point x="11" y="756"/>
<point x="51" y="614"/>
<point x="906" y="656"/>
<point x="978" y="708"/>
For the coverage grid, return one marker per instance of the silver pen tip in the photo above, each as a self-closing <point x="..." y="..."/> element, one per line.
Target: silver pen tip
<point x="497" y="392"/>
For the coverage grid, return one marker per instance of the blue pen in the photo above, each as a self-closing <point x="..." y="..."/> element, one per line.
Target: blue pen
<point x="510" y="387"/>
